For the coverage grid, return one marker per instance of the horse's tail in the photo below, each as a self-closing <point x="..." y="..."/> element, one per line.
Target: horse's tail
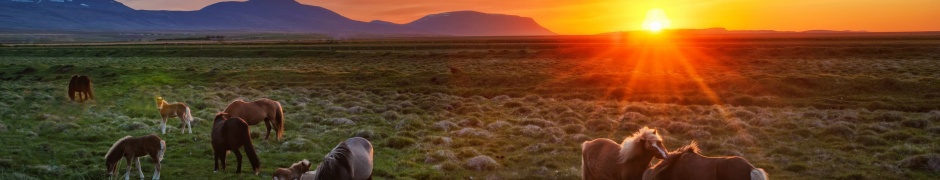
<point x="758" y="174"/>
<point x="188" y="115"/>
<point x="72" y="89"/>
<point x="279" y="120"/>
<point x="91" y="92"/>
<point x="250" y="150"/>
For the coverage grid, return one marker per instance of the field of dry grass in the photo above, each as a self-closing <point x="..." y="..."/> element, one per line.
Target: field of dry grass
<point x="804" y="111"/>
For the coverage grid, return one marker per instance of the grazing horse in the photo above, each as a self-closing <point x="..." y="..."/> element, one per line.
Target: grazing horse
<point x="80" y="88"/>
<point x="605" y="159"/>
<point x="254" y="112"/>
<point x="229" y="134"/>
<point x="131" y="149"/>
<point x="351" y="159"/>
<point x="294" y="172"/>
<point x="180" y="110"/>
<point x="688" y="163"/>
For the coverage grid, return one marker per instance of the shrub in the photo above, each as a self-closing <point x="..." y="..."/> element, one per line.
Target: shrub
<point x="871" y="141"/>
<point x="444" y="125"/>
<point x="297" y="145"/>
<point x="573" y="128"/>
<point x="481" y="163"/>
<point x="531" y="131"/>
<point x="498" y="125"/>
<point x="916" y="123"/>
<point x="598" y="125"/>
<point x="679" y="127"/>
<point x="365" y="133"/>
<point x="399" y="142"/>
<point x="391" y="115"/>
<point x="440" y="156"/>
<point x="471" y="122"/>
<point x="133" y="126"/>
<point x="537" y="122"/>
<point x="342" y="121"/>
<point x="888" y="116"/>
<point x="925" y="162"/>
<point x="578" y="138"/>
<point x="698" y="134"/>
<point x="473" y="132"/>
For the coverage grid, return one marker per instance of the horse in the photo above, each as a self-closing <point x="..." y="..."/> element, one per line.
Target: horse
<point x="351" y="159"/>
<point x="180" y="110"/>
<point x="254" y="112"/>
<point x="605" y="159"/>
<point x="294" y="172"/>
<point x="131" y="149"/>
<point x="80" y="88"/>
<point x="229" y="134"/>
<point x="688" y="163"/>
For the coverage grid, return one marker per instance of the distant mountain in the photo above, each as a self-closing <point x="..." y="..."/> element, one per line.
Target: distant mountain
<point x="470" y="23"/>
<point x="252" y="15"/>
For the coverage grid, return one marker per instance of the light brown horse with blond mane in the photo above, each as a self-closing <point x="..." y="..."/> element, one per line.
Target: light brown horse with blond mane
<point x="177" y="109"/>
<point x="254" y="112"/>
<point x="688" y="163"/>
<point x="605" y="159"/>
<point x="131" y="149"/>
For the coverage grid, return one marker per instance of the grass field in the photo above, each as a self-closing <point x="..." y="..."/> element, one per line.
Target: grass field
<point x="801" y="108"/>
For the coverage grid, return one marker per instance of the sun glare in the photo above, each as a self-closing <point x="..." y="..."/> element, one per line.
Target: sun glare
<point x="656" y="20"/>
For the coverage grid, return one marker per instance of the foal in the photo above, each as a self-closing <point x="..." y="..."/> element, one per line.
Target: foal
<point x="687" y="163"/>
<point x="605" y="159"/>
<point x="131" y="149"/>
<point x="294" y="172"/>
<point x="180" y="110"/>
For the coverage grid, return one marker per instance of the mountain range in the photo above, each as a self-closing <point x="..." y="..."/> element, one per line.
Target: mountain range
<point x="251" y="15"/>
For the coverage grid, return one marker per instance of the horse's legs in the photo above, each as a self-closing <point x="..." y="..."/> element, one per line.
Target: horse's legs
<point x="267" y="124"/>
<point x="127" y="176"/>
<point x="183" y="126"/>
<point x="163" y="125"/>
<point x="238" y="158"/>
<point x="156" y="169"/>
<point x="139" y="170"/>
<point x="219" y="158"/>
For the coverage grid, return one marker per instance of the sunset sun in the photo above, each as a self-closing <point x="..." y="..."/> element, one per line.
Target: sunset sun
<point x="656" y="20"/>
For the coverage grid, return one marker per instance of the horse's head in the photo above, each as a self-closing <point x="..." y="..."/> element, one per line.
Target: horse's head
<point x="653" y="143"/>
<point x="160" y="102"/>
<point x="221" y="116"/>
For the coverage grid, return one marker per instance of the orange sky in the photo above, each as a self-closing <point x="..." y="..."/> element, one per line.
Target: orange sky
<point x="599" y="16"/>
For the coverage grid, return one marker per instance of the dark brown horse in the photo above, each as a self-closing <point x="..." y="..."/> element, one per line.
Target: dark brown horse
<point x="80" y="88"/>
<point x="351" y="159"/>
<point x="180" y="110"/>
<point x="254" y="112"/>
<point x="688" y="163"/>
<point x="131" y="149"/>
<point x="229" y="134"/>
<point x="605" y="159"/>
<point x="292" y="173"/>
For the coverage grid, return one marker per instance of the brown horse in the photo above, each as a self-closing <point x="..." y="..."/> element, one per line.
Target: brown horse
<point x="180" y="110"/>
<point x="294" y="172"/>
<point x="131" y="149"/>
<point x="605" y="159"/>
<point x="229" y="134"/>
<point x="80" y="88"/>
<point x="351" y="159"/>
<point x="254" y="112"/>
<point x="688" y="163"/>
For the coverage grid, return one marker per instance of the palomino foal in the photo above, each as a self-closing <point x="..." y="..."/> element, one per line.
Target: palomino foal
<point x="605" y="159"/>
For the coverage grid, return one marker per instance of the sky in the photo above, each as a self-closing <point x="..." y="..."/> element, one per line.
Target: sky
<point x="600" y="16"/>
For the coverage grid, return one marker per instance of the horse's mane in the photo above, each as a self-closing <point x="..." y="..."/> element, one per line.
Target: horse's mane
<point x="629" y="144"/>
<point x="111" y="150"/>
<point x="338" y="157"/>
<point x="654" y="171"/>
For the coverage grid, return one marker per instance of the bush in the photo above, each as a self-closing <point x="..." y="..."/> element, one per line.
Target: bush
<point x="473" y="132"/>
<point x="925" y="162"/>
<point x="537" y="122"/>
<point x="481" y="163"/>
<point x="399" y="142"/>
<point x="915" y="123"/>
<point x="391" y="115"/>
<point x="498" y="125"/>
<point x="531" y="131"/>
<point x="573" y="128"/>
<point x="444" y="125"/>
<point x="440" y="156"/>
<point x="598" y="125"/>
<point x="871" y="141"/>
<point x="888" y="116"/>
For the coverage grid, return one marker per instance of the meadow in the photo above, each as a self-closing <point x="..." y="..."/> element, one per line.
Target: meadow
<point x="814" y="107"/>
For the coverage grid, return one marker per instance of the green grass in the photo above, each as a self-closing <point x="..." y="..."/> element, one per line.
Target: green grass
<point x="798" y="117"/>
